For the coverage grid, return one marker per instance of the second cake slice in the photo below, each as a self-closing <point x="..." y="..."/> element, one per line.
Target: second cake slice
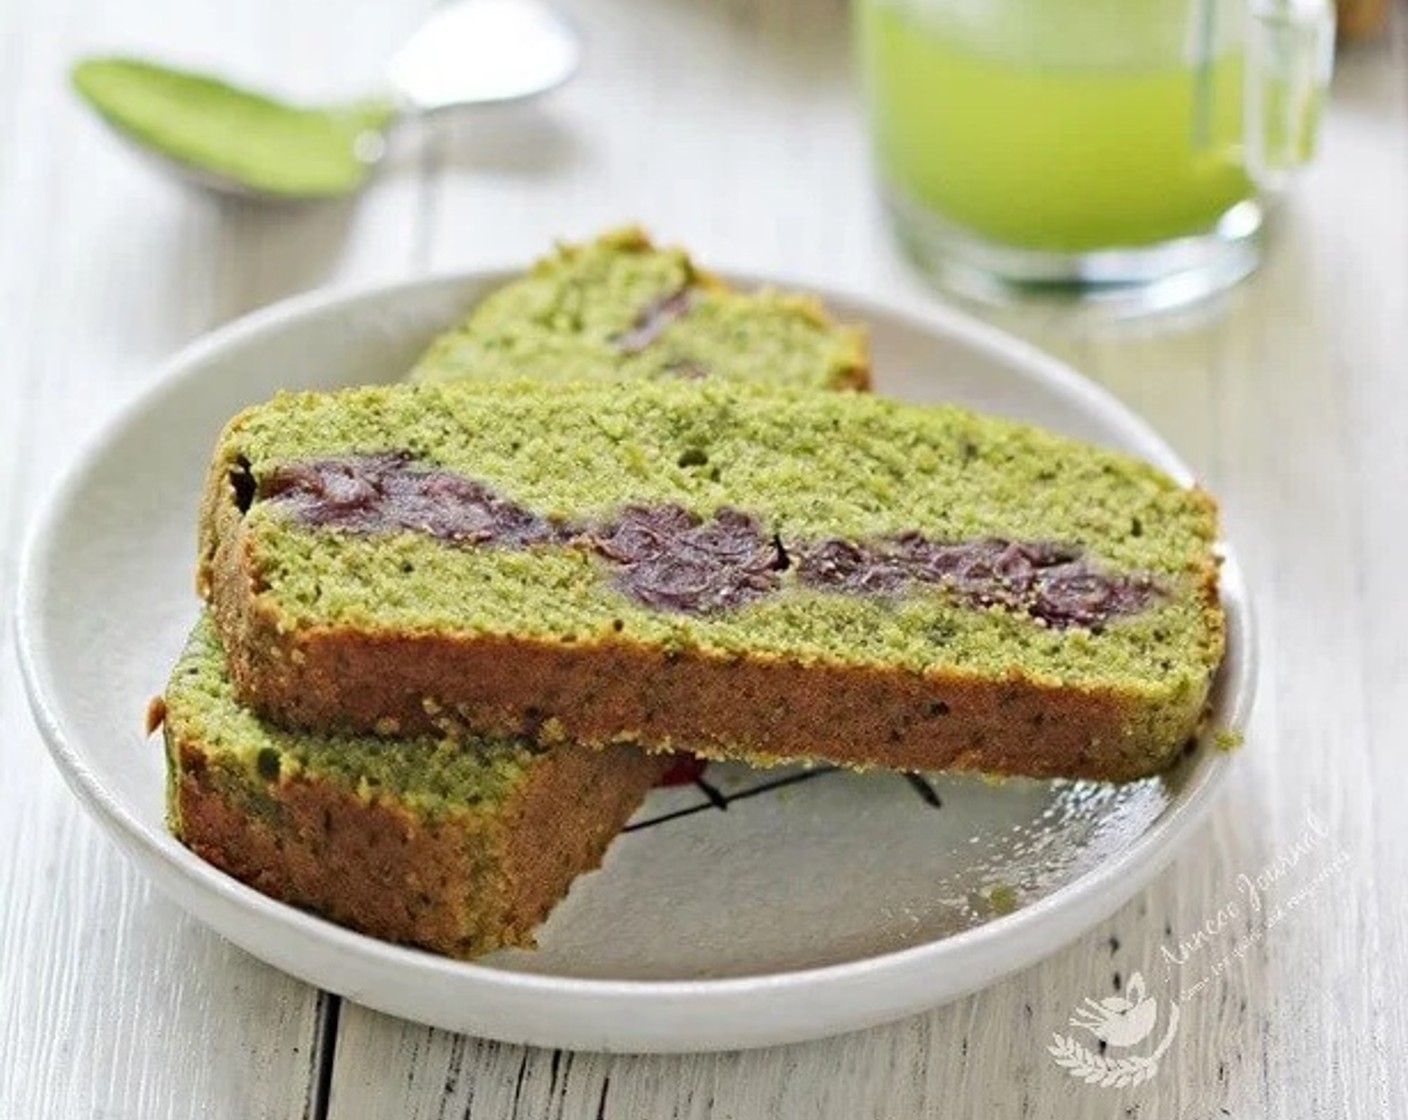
<point x="461" y="846"/>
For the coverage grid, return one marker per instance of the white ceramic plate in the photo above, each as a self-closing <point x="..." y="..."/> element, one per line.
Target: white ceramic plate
<point x="827" y="903"/>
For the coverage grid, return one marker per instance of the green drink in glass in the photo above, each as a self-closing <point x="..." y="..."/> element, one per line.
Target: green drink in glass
<point x="1118" y="150"/>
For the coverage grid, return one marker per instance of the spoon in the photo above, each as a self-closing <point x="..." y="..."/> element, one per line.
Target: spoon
<point x="238" y="142"/>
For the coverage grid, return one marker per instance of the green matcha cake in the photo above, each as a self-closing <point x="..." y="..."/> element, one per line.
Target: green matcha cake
<point x="620" y="309"/>
<point x="457" y="846"/>
<point x="750" y="573"/>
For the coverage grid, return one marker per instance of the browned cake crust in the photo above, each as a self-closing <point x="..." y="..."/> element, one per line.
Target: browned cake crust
<point x="463" y="885"/>
<point x="767" y="711"/>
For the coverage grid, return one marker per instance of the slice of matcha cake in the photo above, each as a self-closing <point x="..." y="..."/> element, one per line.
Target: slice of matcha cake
<point x="457" y="846"/>
<point x="768" y="575"/>
<point x="620" y="309"/>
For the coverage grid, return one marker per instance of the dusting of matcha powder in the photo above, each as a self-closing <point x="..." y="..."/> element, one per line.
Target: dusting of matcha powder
<point x="208" y="125"/>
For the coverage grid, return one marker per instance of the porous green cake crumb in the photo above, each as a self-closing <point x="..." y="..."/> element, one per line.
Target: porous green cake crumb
<point x="1002" y="898"/>
<point x="1227" y="739"/>
<point x="809" y="466"/>
<point x="573" y="318"/>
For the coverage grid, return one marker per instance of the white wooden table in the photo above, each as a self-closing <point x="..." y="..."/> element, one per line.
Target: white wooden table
<point x="729" y="125"/>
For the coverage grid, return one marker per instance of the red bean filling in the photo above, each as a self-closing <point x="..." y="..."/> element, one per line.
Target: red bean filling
<point x="653" y="321"/>
<point x="387" y="493"/>
<point x="671" y="559"/>
<point x="668" y="558"/>
<point x="1047" y="580"/>
<point x="837" y="565"/>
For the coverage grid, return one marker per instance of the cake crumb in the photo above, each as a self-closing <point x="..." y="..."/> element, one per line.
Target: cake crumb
<point x="1002" y="898"/>
<point x="1227" y="739"/>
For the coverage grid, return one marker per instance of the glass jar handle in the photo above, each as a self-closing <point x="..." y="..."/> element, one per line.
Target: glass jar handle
<point x="1290" y="51"/>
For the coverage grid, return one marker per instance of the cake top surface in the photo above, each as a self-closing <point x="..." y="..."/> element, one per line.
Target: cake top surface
<point x="784" y="481"/>
<point x="618" y="308"/>
<point x="467" y="775"/>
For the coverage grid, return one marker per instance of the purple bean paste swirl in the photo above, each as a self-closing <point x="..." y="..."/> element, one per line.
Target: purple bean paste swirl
<point x="388" y="492"/>
<point x="669" y="558"/>
<point x="1048" y="580"/>
<point x="654" y="320"/>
